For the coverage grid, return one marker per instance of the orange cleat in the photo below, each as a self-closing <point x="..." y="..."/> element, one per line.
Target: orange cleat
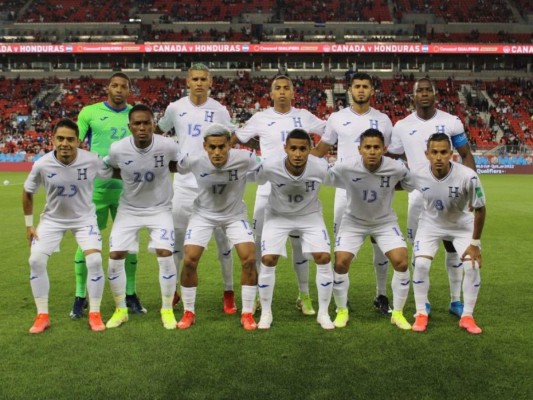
<point x="42" y="322"/>
<point x="248" y="322"/>
<point x="187" y="320"/>
<point x="229" y="302"/>
<point x="421" y="323"/>
<point x="95" y="322"/>
<point x="469" y="324"/>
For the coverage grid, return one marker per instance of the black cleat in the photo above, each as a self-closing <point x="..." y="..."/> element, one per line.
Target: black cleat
<point x="77" y="308"/>
<point x="382" y="304"/>
<point x="134" y="304"/>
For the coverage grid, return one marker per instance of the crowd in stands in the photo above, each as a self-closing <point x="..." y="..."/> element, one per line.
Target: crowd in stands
<point x="503" y="118"/>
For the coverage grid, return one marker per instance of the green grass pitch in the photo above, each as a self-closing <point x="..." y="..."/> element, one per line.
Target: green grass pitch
<point x="296" y="359"/>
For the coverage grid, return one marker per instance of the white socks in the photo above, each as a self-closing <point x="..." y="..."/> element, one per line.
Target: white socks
<point x="116" y="275"/>
<point x="39" y="282"/>
<point x="167" y="280"/>
<point x="341" y="283"/>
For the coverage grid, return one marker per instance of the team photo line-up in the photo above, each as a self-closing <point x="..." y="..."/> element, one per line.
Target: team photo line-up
<point x="126" y="175"/>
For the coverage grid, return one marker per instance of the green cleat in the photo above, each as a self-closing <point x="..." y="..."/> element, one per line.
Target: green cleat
<point x="342" y="318"/>
<point x="399" y="320"/>
<point x="119" y="317"/>
<point x="305" y="304"/>
<point x="168" y="318"/>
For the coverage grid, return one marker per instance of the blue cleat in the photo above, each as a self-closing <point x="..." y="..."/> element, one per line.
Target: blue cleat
<point x="428" y="308"/>
<point x="80" y="303"/>
<point x="456" y="308"/>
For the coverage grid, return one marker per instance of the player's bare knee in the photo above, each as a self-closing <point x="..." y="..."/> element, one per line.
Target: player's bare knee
<point x="118" y="255"/>
<point x="270" y="260"/>
<point x="163" y="252"/>
<point x="400" y="265"/>
<point x="322" y="258"/>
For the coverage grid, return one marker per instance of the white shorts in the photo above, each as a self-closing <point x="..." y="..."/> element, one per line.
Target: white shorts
<point x="261" y="201"/>
<point x="415" y="207"/>
<point x="125" y="232"/>
<point x="200" y="229"/>
<point x="50" y="234"/>
<point x="352" y="235"/>
<point x="428" y="239"/>
<point x="182" y="206"/>
<point x="311" y="228"/>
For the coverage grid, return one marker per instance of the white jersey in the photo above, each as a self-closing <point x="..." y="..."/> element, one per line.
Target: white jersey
<point x="69" y="188"/>
<point x="189" y="121"/>
<point x="221" y="190"/>
<point x="145" y="173"/>
<point x="346" y="126"/>
<point x="293" y="195"/>
<point x="272" y="127"/>
<point x="447" y="202"/>
<point x="410" y="135"/>
<point x="370" y="194"/>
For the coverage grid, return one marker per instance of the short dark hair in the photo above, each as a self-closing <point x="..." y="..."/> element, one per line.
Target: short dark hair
<point x="361" y="76"/>
<point x="278" y="77"/>
<point x="439" y="137"/>
<point x="371" y="132"/>
<point x="298" y="134"/>
<point x="425" y="79"/>
<point x="67" y="123"/>
<point x="120" y="75"/>
<point x="140" y="107"/>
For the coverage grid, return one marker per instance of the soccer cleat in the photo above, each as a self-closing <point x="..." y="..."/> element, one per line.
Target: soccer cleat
<point x="421" y="323"/>
<point x="134" y="304"/>
<point x="118" y="318"/>
<point x="381" y="303"/>
<point x="187" y="320"/>
<point x="399" y="320"/>
<point x="469" y="324"/>
<point x="428" y="308"/>
<point x="168" y="318"/>
<point x="456" y="308"/>
<point x="248" y="322"/>
<point x="95" y="322"/>
<point x="325" y="321"/>
<point x="266" y="320"/>
<point x="77" y="308"/>
<point x="342" y="318"/>
<point x="41" y="323"/>
<point x="229" y="302"/>
<point x="304" y="304"/>
<point x="176" y="299"/>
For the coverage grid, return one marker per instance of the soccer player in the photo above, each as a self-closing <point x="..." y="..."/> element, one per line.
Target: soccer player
<point x="369" y="180"/>
<point x="144" y="160"/>
<point x="293" y="206"/>
<point x="409" y="138"/>
<point x="221" y="175"/>
<point x="190" y="116"/>
<point x="102" y="124"/>
<point x="68" y="175"/>
<point x="272" y="126"/>
<point x="450" y="192"/>
<point x="344" y="127"/>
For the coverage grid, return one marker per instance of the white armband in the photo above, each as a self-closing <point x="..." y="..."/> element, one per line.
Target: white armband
<point x="28" y="219"/>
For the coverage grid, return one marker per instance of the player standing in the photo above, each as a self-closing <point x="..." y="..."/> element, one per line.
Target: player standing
<point x="221" y="175"/>
<point x="344" y="127"/>
<point x="68" y="175"/>
<point x="144" y="160"/>
<point x="102" y="124"/>
<point x="272" y="126"/>
<point x="369" y="181"/>
<point x="450" y="192"/>
<point x="190" y="116"/>
<point x="293" y="206"/>
<point x="409" y="140"/>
